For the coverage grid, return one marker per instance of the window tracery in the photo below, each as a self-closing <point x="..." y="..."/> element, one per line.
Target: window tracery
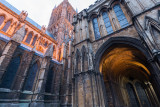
<point x="31" y="77"/>
<point x="7" y="25"/>
<point x="96" y="28"/>
<point x="120" y="16"/>
<point x="107" y="22"/>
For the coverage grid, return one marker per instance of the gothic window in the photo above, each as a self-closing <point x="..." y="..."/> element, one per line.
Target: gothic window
<point x="49" y="81"/>
<point x="30" y="79"/>
<point x="5" y="28"/>
<point x="142" y="95"/>
<point x="29" y="37"/>
<point x="1" y="19"/>
<point x="96" y="28"/>
<point x="120" y="16"/>
<point x="34" y="40"/>
<point x="107" y="23"/>
<point x="10" y="73"/>
<point x="132" y="96"/>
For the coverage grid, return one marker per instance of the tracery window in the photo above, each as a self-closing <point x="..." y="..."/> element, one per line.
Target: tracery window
<point x="10" y="73"/>
<point x="1" y="20"/>
<point x="96" y="28"/>
<point x="49" y="81"/>
<point x="107" y="22"/>
<point x="34" y="40"/>
<point x="120" y="16"/>
<point x="5" y="28"/>
<point x="29" y="37"/>
<point x="29" y="82"/>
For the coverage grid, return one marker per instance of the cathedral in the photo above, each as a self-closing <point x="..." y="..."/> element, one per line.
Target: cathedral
<point x="107" y="55"/>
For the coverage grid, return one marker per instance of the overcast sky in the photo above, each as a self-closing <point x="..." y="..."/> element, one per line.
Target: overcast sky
<point x="40" y="10"/>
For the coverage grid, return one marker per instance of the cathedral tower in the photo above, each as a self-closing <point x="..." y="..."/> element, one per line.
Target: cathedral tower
<point x="60" y="24"/>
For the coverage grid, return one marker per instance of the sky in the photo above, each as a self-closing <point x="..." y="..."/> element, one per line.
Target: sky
<point x="40" y="10"/>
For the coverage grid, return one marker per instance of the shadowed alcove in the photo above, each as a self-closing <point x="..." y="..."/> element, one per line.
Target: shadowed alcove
<point x="127" y="77"/>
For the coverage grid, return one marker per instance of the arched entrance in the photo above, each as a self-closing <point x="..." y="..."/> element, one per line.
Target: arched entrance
<point x="126" y="74"/>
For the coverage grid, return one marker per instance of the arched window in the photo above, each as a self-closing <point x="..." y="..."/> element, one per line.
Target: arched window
<point x="29" y="37"/>
<point x="29" y="82"/>
<point x="10" y="73"/>
<point x="96" y="28"/>
<point x="142" y="95"/>
<point x="34" y="40"/>
<point x="49" y="81"/>
<point x="120" y="16"/>
<point x="132" y="96"/>
<point x="1" y="20"/>
<point x="5" y="28"/>
<point x="107" y="23"/>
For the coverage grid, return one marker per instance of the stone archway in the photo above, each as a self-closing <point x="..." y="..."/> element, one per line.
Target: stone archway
<point x="123" y="62"/>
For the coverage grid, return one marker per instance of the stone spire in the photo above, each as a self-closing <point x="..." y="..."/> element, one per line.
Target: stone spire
<point x="19" y="35"/>
<point x="49" y="51"/>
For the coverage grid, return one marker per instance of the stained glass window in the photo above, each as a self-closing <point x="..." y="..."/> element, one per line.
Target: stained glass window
<point x="132" y="96"/>
<point x="34" y="40"/>
<point x="5" y="28"/>
<point x="28" y="40"/>
<point x="1" y="20"/>
<point x="49" y="81"/>
<point x="96" y="28"/>
<point x="107" y="23"/>
<point x="31" y="77"/>
<point x="120" y="16"/>
<point x="10" y="73"/>
<point x="142" y="95"/>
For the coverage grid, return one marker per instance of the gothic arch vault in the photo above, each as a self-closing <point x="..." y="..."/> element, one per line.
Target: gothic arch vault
<point x="127" y="73"/>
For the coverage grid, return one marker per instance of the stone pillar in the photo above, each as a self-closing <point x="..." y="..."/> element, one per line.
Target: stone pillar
<point x="10" y="49"/>
<point x="38" y="97"/>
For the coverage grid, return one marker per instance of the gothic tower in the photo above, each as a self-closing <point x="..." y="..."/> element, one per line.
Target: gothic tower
<point x="60" y="24"/>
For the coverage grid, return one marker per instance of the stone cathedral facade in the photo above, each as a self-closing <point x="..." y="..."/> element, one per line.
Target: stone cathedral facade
<point x="107" y="55"/>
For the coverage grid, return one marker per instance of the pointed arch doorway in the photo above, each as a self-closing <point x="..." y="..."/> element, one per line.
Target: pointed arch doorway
<point x="126" y="74"/>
